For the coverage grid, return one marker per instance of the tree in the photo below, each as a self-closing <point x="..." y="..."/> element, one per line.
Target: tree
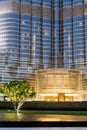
<point x="18" y="92"/>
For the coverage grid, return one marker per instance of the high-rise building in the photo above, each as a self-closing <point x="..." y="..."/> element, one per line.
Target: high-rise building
<point x="73" y="34"/>
<point x="9" y="39"/>
<point x="42" y="34"/>
<point x="26" y="38"/>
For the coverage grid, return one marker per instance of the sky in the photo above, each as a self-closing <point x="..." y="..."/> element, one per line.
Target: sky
<point x="42" y="128"/>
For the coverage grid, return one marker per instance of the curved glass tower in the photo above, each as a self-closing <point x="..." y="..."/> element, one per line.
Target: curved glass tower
<point x="78" y="35"/>
<point x="85" y="26"/>
<point x="37" y="34"/>
<point x="73" y="34"/>
<point x="9" y="39"/>
<point x="24" y="67"/>
<point x="26" y="39"/>
<point x="46" y="33"/>
<point x="56" y="33"/>
<point x="67" y="35"/>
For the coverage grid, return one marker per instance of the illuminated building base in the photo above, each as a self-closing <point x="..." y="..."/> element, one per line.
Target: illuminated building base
<point x="59" y="85"/>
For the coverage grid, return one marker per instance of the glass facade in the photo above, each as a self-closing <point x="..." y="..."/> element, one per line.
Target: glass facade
<point x="41" y="34"/>
<point x="36" y="36"/>
<point x="9" y="39"/>
<point x="78" y="37"/>
<point x="26" y="41"/>
<point x="58" y="85"/>
<point x="23" y="68"/>
<point x="46" y="34"/>
<point x="56" y="32"/>
<point x="72" y="44"/>
<point x="67" y="36"/>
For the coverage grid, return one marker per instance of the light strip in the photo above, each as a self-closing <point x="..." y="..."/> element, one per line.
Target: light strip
<point x="49" y="94"/>
<point x="71" y="94"/>
<point x="57" y="94"/>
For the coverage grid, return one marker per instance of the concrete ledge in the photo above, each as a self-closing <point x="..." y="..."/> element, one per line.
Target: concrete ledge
<point x="42" y="105"/>
<point x="55" y="105"/>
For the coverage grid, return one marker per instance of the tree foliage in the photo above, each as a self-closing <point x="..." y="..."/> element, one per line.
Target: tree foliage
<point x="18" y="91"/>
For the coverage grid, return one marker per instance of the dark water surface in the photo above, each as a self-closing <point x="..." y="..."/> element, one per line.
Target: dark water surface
<point x="39" y="117"/>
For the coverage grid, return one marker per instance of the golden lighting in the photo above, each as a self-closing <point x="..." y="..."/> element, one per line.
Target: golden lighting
<point x="48" y="94"/>
<point x="71" y="94"/>
<point x="59" y="84"/>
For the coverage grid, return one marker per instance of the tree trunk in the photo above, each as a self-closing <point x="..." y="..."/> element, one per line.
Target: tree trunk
<point x="17" y="110"/>
<point x="19" y="105"/>
<point x="15" y="106"/>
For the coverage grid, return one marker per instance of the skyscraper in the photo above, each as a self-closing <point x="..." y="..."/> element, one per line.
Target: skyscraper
<point x="9" y="39"/>
<point x="26" y="39"/>
<point x="73" y="33"/>
<point x="43" y="34"/>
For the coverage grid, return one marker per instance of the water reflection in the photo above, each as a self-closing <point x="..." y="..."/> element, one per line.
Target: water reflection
<point x="39" y="117"/>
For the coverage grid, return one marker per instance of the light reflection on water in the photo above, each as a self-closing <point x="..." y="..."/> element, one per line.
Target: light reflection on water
<point x="39" y="117"/>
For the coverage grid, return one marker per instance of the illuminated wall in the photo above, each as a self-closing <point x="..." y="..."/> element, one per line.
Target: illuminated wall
<point x="51" y="84"/>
